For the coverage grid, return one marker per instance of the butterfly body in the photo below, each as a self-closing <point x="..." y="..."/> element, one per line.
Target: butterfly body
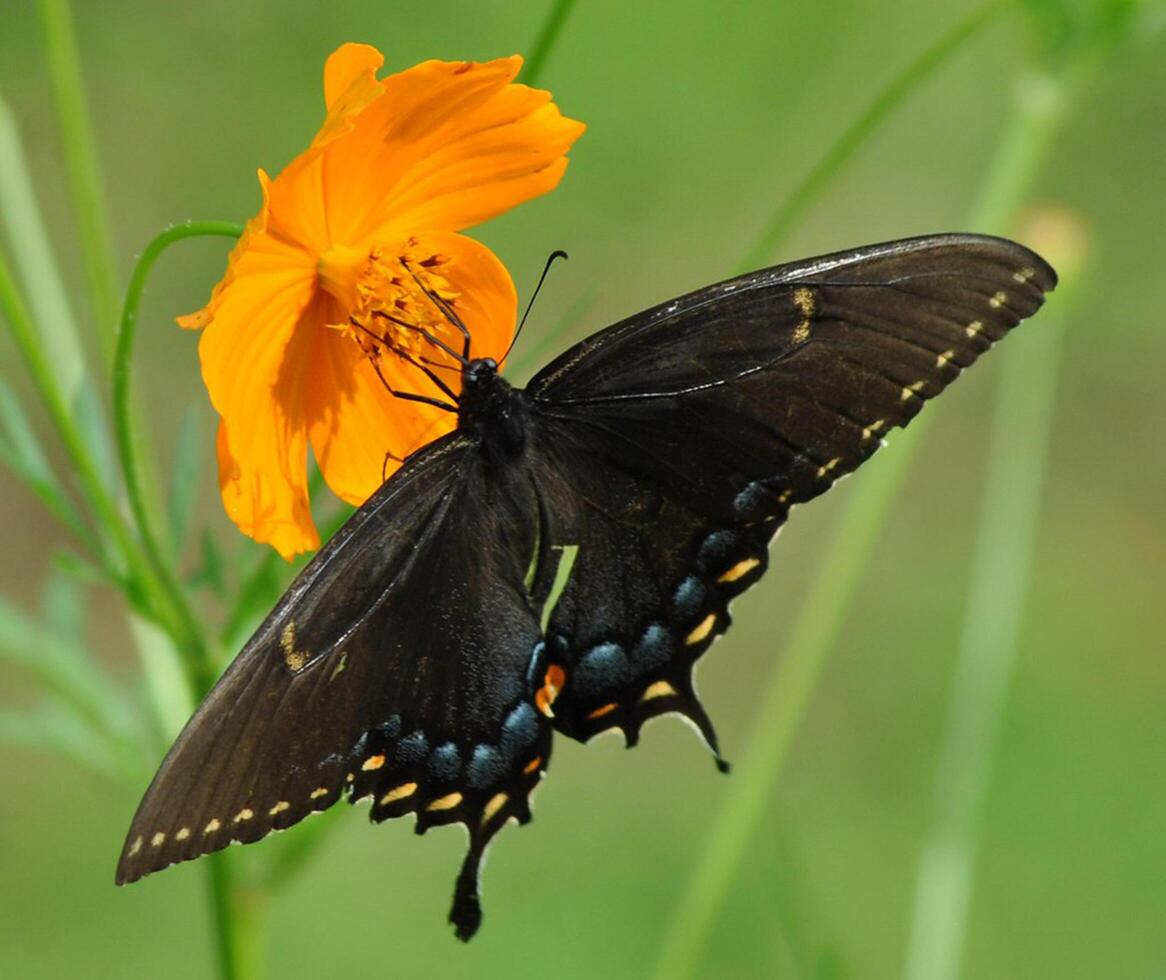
<point x="561" y="560"/>
<point x="496" y="413"/>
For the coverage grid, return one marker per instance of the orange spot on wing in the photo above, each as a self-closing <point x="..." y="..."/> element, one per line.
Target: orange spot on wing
<point x="553" y="683"/>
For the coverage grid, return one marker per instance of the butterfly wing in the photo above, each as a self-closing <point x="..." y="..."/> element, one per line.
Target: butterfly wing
<point x="676" y="442"/>
<point x="396" y="667"/>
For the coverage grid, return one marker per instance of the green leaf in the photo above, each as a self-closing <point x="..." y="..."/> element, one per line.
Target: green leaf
<point x="168" y="687"/>
<point x="77" y="139"/>
<point x="52" y="730"/>
<point x="210" y="573"/>
<point x="1066" y="30"/>
<point x="63" y="669"/>
<point x="33" y="255"/>
<point x="86" y="572"/>
<point x="22" y="451"/>
<point x="63" y="607"/>
<point x="184" y="480"/>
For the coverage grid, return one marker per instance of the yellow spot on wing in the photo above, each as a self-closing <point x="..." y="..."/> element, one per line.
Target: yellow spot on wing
<point x="245" y="814"/>
<point x="398" y="793"/>
<point x="997" y="301"/>
<point x="1025" y="274"/>
<point x="943" y="358"/>
<point x="804" y="300"/>
<point x="445" y="802"/>
<point x="743" y="567"/>
<point x="372" y="762"/>
<point x="135" y="846"/>
<point x="497" y="802"/>
<point x="279" y="808"/>
<point x="295" y="659"/>
<point x="823" y="470"/>
<point x="661" y="689"/>
<point x="317" y="793"/>
<point x="703" y="628"/>
<point x="873" y="428"/>
<point x="182" y="834"/>
<point x="974" y="328"/>
<point x="212" y="825"/>
<point x="911" y="389"/>
<point x="158" y="839"/>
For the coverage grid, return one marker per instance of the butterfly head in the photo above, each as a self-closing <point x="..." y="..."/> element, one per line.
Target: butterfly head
<point x="492" y="410"/>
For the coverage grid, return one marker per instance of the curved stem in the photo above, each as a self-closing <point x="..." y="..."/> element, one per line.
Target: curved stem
<point x="547" y="37"/>
<point x="828" y="167"/>
<point x="199" y="666"/>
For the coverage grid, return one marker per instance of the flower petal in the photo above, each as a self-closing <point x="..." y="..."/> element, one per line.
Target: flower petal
<point x="254" y="358"/>
<point x="253" y="238"/>
<point x="351" y="70"/>
<point x="447" y="145"/>
<point x="355" y="421"/>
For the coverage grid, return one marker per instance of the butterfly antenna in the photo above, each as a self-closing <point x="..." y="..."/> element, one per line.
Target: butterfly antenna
<point x="558" y="253"/>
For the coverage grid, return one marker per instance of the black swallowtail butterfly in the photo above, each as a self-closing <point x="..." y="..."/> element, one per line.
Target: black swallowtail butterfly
<point x="562" y="558"/>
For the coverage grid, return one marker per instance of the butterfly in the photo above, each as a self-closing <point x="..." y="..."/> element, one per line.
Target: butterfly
<point x="562" y="558"/>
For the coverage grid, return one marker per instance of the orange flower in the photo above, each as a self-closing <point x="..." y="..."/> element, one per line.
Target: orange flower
<point x="330" y="285"/>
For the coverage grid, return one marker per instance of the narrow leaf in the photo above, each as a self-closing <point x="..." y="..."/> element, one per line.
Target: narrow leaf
<point x="52" y="730"/>
<point x="22" y="451"/>
<point x="184" y="480"/>
<point x="62" y="668"/>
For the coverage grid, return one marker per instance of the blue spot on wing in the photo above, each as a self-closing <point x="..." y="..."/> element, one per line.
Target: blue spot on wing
<point x="486" y="767"/>
<point x="445" y="763"/>
<point x="603" y="667"/>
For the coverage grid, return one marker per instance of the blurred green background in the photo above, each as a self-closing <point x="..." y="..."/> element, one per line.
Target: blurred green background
<point x="702" y="118"/>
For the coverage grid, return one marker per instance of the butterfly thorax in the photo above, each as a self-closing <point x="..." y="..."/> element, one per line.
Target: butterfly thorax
<point x="491" y="409"/>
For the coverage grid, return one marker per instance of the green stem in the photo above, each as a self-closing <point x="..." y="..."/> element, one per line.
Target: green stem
<point x="235" y="911"/>
<point x="83" y="170"/>
<point x="790" y="685"/>
<point x="199" y="663"/>
<point x="1001" y="570"/>
<point x="547" y="37"/>
<point x="795" y="206"/>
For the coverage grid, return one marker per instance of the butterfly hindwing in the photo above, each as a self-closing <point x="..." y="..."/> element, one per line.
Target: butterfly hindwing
<point x="686" y="433"/>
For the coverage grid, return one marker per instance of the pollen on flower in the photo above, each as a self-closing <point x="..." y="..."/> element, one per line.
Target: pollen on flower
<point x="394" y="299"/>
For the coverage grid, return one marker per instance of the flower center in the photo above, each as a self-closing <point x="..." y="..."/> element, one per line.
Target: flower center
<point x="396" y="300"/>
